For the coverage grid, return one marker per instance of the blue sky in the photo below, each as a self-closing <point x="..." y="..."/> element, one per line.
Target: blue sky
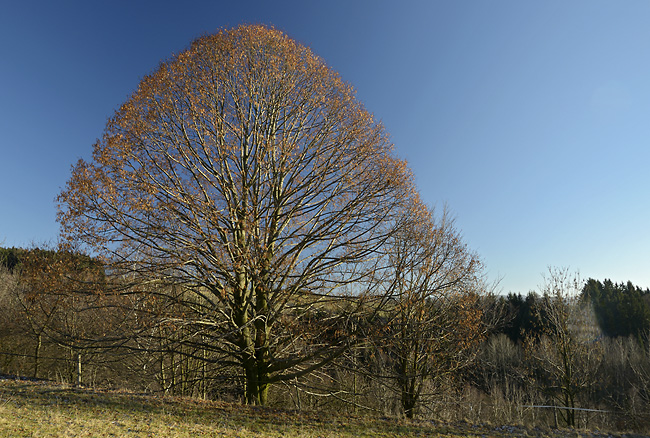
<point x="531" y="120"/>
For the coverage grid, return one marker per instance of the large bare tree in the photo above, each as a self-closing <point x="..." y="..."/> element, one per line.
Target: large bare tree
<point x="245" y="171"/>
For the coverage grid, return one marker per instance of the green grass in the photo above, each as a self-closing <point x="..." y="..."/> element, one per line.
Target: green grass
<point x="43" y="409"/>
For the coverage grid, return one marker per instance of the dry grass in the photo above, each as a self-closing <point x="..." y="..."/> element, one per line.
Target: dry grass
<point x="40" y="409"/>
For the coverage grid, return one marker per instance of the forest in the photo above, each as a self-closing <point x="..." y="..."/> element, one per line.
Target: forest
<point x="573" y="354"/>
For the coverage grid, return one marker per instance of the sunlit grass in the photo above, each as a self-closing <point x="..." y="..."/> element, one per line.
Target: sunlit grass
<point x="39" y="409"/>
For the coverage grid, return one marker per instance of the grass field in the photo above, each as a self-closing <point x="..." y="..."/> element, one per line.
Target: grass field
<point x="43" y="409"/>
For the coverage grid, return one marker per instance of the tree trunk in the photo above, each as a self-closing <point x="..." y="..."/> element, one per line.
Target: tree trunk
<point x="257" y="386"/>
<point x="254" y="340"/>
<point x="79" y="380"/>
<point x="408" y="403"/>
<point x="408" y="384"/>
<point x="37" y="354"/>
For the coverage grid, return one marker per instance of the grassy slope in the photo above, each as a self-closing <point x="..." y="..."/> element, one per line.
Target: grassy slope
<point x="40" y="409"/>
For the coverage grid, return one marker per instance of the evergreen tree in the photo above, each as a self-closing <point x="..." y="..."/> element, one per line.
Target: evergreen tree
<point x="621" y="309"/>
<point x="10" y="257"/>
<point x="522" y="315"/>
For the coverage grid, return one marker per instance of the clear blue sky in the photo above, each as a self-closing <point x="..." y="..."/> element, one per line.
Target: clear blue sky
<point x="531" y="120"/>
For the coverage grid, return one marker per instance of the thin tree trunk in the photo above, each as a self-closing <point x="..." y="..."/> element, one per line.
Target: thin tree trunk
<point x="79" y="380"/>
<point x="37" y="354"/>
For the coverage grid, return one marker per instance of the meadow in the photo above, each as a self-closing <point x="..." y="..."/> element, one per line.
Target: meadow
<point x="46" y="409"/>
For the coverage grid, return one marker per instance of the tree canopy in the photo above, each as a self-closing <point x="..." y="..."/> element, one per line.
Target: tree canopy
<point x="245" y="170"/>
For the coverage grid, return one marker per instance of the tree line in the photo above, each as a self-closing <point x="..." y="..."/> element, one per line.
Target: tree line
<point x="544" y="358"/>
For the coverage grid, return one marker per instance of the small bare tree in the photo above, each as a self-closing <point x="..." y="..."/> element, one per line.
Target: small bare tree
<point x="434" y="317"/>
<point x="62" y="302"/>
<point x="567" y="356"/>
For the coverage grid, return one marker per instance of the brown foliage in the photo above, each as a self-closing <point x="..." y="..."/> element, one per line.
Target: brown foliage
<point x="244" y="169"/>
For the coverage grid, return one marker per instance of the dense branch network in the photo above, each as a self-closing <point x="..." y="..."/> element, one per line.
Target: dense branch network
<point x="245" y="170"/>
